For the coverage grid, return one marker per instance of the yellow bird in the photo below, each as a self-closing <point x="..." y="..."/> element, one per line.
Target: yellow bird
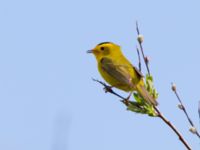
<point x="118" y="71"/>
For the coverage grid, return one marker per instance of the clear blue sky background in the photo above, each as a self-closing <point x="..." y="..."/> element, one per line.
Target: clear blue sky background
<point x="47" y="98"/>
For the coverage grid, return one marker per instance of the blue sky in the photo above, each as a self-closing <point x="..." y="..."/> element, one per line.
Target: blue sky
<point x="48" y="100"/>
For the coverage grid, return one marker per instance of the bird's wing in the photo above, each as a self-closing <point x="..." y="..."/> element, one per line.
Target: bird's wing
<point x="117" y="71"/>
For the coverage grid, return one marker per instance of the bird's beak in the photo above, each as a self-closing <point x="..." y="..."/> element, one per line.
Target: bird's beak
<point x="90" y="51"/>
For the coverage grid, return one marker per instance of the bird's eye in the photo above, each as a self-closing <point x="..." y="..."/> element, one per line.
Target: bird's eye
<point x="102" y="48"/>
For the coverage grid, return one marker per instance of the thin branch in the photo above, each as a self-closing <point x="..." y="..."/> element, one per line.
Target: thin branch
<point x="109" y="90"/>
<point x="141" y="48"/>
<point x="173" y="128"/>
<point x="184" y="109"/>
<point x="199" y="110"/>
<point x="139" y="59"/>
<point x="146" y="60"/>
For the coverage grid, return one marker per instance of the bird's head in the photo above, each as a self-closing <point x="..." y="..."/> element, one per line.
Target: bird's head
<point x="105" y="49"/>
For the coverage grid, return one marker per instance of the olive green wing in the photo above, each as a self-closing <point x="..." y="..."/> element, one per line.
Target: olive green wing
<point x="117" y="71"/>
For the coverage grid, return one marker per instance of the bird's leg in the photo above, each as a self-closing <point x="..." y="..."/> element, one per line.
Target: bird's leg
<point x="126" y="101"/>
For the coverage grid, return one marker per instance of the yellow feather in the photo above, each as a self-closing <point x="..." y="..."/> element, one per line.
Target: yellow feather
<point x="118" y="71"/>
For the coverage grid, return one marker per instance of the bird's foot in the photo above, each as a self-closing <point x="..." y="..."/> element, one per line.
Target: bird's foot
<point x="125" y="101"/>
<point x="107" y="88"/>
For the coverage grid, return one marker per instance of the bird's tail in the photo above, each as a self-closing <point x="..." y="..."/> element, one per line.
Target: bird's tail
<point x="145" y="94"/>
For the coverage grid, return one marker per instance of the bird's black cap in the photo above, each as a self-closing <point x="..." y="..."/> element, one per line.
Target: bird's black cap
<point x="104" y="43"/>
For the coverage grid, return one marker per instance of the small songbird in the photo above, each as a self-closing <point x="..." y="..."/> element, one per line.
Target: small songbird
<point x="118" y="71"/>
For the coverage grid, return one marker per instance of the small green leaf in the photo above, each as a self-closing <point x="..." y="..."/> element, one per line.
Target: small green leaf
<point x="138" y="98"/>
<point x="136" y="107"/>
